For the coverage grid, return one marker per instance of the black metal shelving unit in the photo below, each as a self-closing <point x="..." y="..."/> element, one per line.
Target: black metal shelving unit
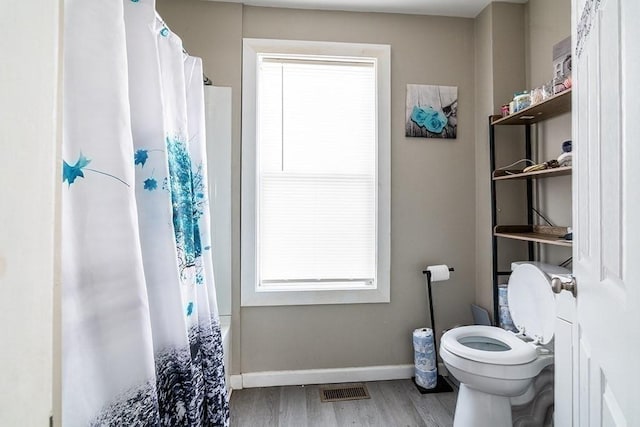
<point x="531" y="233"/>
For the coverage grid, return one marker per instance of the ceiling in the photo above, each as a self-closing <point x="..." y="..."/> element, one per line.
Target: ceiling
<point x="462" y="8"/>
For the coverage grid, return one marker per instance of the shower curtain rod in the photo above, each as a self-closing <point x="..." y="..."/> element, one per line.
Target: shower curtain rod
<point x="206" y="80"/>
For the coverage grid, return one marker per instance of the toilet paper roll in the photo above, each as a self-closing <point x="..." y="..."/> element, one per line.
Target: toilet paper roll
<point x="505" y="319"/>
<point x="503" y="293"/>
<point x="426" y="379"/>
<point x="439" y="272"/>
<point x="424" y="361"/>
<point x="424" y="352"/>
<point x="423" y="340"/>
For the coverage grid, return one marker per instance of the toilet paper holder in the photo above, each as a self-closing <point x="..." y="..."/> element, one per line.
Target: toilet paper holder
<point x="441" y="385"/>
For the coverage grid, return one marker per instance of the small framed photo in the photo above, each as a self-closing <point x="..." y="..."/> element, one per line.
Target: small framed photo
<point x="432" y="111"/>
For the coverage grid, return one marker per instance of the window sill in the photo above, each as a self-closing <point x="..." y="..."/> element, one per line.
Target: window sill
<point x="314" y="297"/>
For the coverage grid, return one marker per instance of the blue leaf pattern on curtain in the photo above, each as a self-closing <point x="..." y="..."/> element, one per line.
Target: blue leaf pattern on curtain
<point x="150" y="184"/>
<point x="140" y="157"/>
<point x="70" y="173"/>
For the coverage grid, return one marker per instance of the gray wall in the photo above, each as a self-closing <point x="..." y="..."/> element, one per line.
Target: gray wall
<point x="483" y="108"/>
<point x="546" y="23"/>
<point x="513" y="50"/>
<point x="500" y="71"/>
<point x="440" y="189"/>
<point x="433" y="190"/>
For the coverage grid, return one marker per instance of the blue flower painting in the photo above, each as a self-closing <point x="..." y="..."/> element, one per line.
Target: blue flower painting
<point x="432" y="111"/>
<point x="429" y="118"/>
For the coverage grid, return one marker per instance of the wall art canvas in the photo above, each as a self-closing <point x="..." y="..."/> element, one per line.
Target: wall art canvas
<point x="432" y="111"/>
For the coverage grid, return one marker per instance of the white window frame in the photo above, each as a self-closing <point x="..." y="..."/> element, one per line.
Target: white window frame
<point x="251" y="293"/>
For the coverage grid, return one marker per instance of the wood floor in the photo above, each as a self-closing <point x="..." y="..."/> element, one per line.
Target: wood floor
<point x="393" y="404"/>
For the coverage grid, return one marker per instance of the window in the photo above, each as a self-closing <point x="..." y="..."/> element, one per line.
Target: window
<point x="315" y="173"/>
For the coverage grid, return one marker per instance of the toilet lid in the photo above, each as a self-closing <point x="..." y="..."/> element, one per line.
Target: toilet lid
<point x="532" y="303"/>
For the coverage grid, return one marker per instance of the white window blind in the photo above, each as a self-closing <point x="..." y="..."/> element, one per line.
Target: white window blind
<point x="316" y="172"/>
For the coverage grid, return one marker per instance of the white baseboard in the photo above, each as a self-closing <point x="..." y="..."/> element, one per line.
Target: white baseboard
<point x="325" y="376"/>
<point x="235" y="382"/>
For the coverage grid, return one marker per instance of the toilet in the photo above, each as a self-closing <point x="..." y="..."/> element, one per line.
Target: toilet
<point x="495" y="366"/>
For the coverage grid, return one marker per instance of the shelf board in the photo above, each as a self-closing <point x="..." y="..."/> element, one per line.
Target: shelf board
<point x="499" y="175"/>
<point x="551" y="107"/>
<point x="534" y="233"/>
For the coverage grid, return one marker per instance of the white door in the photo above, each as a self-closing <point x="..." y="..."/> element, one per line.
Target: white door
<point x="606" y="252"/>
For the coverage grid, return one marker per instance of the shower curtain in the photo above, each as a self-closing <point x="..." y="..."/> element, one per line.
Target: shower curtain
<point x="141" y="343"/>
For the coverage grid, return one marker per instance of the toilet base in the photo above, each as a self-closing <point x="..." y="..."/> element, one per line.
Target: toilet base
<point x="479" y="409"/>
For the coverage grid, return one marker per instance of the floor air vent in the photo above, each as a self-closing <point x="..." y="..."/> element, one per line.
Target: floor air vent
<point x="340" y="392"/>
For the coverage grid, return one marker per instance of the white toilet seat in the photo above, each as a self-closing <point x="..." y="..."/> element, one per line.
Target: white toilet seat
<point x="514" y="351"/>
